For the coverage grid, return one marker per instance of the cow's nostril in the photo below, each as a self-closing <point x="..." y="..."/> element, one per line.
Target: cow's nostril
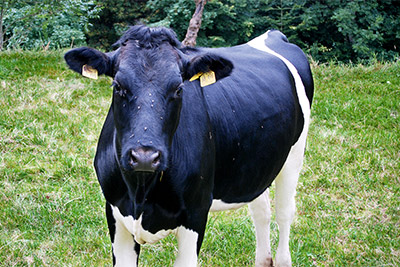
<point x="134" y="157"/>
<point x="157" y="159"/>
<point x="145" y="159"/>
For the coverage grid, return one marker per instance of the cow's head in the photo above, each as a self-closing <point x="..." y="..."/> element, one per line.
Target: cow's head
<point x="150" y="70"/>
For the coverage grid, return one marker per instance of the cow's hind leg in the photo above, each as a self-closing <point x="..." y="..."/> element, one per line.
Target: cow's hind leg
<point x="285" y="192"/>
<point x="260" y="210"/>
<point x="125" y="249"/>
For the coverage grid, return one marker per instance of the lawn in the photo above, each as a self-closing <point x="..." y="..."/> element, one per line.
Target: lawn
<point x="52" y="209"/>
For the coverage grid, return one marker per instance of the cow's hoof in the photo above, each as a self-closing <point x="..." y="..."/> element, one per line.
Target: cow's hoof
<point x="284" y="264"/>
<point x="265" y="263"/>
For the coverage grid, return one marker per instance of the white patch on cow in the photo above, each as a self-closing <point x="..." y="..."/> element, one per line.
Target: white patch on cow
<point x="128" y="230"/>
<point x="285" y="191"/>
<point x="187" y="248"/>
<point x="286" y="180"/>
<point x="134" y="227"/>
<point x="123" y="247"/>
<point x="219" y="205"/>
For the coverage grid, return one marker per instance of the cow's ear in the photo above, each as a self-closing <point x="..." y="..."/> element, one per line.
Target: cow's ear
<point x="78" y="57"/>
<point x="222" y="67"/>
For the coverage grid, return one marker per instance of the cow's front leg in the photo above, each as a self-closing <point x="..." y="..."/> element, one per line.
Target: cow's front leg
<point x="188" y="242"/>
<point x="125" y="249"/>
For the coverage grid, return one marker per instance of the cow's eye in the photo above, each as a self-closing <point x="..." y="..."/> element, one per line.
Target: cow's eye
<point x="119" y="90"/>
<point x="178" y="92"/>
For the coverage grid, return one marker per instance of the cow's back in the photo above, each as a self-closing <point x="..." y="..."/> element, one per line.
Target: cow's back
<point x="278" y="42"/>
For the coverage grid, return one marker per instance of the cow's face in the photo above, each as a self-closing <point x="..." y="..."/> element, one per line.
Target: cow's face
<point x="147" y="100"/>
<point x="149" y="71"/>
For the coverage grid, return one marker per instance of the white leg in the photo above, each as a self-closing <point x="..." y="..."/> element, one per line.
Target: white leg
<point x="187" y="248"/>
<point x="285" y="192"/>
<point x="124" y="247"/>
<point x="285" y="209"/>
<point x="260" y="210"/>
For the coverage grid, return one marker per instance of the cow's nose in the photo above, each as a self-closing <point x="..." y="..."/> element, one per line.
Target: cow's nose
<point x="146" y="160"/>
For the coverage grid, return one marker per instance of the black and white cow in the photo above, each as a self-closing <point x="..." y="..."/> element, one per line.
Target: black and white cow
<point x="172" y="150"/>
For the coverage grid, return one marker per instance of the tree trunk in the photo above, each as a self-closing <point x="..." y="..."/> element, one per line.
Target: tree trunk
<point x="194" y="24"/>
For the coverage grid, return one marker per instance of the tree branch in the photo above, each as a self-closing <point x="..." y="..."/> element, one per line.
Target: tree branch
<point x="194" y="24"/>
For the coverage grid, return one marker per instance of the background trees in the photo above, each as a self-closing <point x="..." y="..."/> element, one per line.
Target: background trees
<point x="344" y="30"/>
<point x="36" y="24"/>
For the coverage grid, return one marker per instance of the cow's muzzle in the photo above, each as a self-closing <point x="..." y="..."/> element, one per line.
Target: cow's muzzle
<point x="145" y="159"/>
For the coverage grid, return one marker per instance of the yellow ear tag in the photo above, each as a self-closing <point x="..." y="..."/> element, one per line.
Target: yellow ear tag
<point x="195" y="77"/>
<point x="89" y="72"/>
<point x="207" y="78"/>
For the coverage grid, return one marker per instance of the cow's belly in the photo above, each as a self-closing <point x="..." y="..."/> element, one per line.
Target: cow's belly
<point x="253" y="172"/>
<point x="142" y="236"/>
<point x="220" y="205"/>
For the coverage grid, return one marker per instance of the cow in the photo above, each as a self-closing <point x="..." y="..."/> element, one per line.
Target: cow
<point x="194" y="130"/>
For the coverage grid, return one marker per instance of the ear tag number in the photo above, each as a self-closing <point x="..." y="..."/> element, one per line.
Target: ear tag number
<point x="207" y="78"/>
<point x="89" y="72"/>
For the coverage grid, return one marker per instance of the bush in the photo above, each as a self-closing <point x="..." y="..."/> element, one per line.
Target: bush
<point x="59" y="24"/>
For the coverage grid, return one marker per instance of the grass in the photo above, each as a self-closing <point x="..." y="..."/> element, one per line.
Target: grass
<point x="52" y="207"/>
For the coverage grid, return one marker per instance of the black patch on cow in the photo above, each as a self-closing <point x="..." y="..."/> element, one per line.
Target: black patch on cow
<point x="111" y="225"/>
<point x="137" y="250"/>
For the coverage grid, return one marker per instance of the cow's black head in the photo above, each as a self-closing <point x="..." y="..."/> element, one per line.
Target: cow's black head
<point x="150" y="70"/>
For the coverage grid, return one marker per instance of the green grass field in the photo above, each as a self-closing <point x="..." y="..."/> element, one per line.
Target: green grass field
<point x="52" y="210"/>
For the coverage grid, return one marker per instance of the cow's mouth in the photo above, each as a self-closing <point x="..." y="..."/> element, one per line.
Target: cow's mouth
<point x="141" y="183"/>
<point x="145" y="178"/>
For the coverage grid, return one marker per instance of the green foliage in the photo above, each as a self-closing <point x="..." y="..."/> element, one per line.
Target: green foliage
<point x="52" y="208"/>
<point x="224" y="22"/>
<point x="363" y="25"/>
<point x="339" y="29"/>
<point x="34" y="24"/>
<point x="350" y="30"/>
<point x="113" y="20"/>
<point x="229" y="22"/>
